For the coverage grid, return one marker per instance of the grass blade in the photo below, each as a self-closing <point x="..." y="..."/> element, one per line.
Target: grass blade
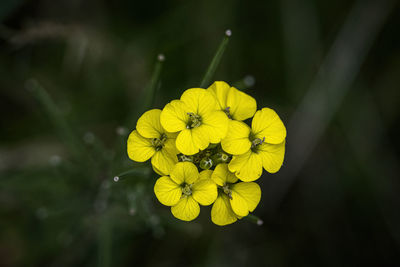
<point x="52" y="111"/>
<point x="215" y="61"/>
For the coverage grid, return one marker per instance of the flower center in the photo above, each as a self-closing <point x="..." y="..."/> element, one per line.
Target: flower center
<point x="227" y="112"/>
<point x="158" y="143"/>
<point x="194" y="120"/>
<point x="186" y="189"/>
<point x="255" y="142"/>
<point x="227" y="191"/>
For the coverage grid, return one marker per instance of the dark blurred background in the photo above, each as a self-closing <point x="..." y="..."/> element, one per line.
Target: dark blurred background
<point x="73" y="76"/>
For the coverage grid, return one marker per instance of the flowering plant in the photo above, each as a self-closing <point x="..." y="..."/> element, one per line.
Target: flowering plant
<point x="206" y="154"/>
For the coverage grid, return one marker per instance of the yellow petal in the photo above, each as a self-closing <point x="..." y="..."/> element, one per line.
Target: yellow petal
<point x="247" y="167"/>
<point x="239" y="204"/>
<point x="220" y="91"/>
<point x="187" y="209"/>
<point x="149" y="125"/>
<point x="241" y="105"/>
<point x="221" y="211"/>
<point x="139" y="148"/>
<point x="158" y="171"/>
<point x="167" y="191"/>
<point x="174" y="117"/>
<point x="204" y="191"/>
<point x="200" y="137"/>
<point x="221" y="175"/>
<point x="163" y="161"/>
<point x="250" y="192"/>
<point x="199" y="101"/>
<point x="205" y="175"/>
<point x="237" y="140"/>
<point x="171" y="135"/>
<point x="185" y="143"/>
<point x="266" y="123"/>
<point x="217" y="125"/>
<point x="272" y="156"/>
<point x="170" y="146"/>
<point x="184" y="172"/>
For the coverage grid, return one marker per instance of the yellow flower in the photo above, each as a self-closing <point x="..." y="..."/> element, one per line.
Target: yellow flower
<point x="235" y="200"/>
<point x="150" y="140"/>
<point x="236" y="104"/>
<point x="261" y="146"/>
<point x="237" y="140"/>
<point x="196" y="117"/>
<point x="184" y="189"/>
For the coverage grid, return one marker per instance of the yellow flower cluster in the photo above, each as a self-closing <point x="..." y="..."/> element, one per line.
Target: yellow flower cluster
<point x="205" y="153"/>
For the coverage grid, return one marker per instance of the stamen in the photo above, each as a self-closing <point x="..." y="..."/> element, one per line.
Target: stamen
<point x="186" y="189"/>
<point x="194" y="121"/>
<point x="227" y="191"/>
<point x="158" y="143"/>
<point x="257" y="141"/>
<point x="227" y="111"/>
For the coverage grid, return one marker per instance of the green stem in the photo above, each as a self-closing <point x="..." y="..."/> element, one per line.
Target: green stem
<point x="105" y="241"/>
<point x="215" y="61"/>
<point x="63" y="128"/>
<point x="154" y="82"/>
<point x="254" y="219"/>
<point x="148" y="96"/>
<point x="140" y="171"/>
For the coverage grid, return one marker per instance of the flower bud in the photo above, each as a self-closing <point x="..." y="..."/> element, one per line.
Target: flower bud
<point x="184" y="158"/>
<point x="220" y="157"/>
<point x="206" y="163"/>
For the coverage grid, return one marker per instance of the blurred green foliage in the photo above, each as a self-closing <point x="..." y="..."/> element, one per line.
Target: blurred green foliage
<point x="88" y="66"/>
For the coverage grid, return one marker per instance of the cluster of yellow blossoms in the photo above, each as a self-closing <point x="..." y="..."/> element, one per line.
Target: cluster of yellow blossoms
<point x="205" y="153"/>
